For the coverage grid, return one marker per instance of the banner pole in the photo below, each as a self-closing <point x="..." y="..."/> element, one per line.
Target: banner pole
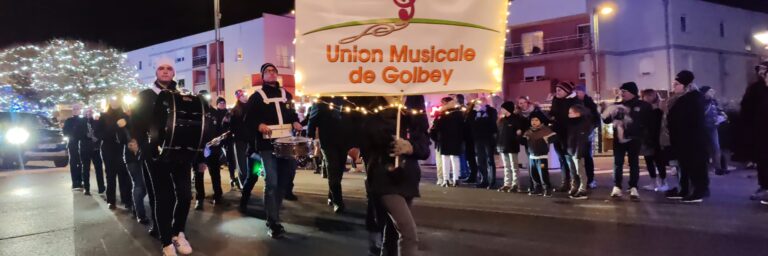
<point x="397" y="126"/>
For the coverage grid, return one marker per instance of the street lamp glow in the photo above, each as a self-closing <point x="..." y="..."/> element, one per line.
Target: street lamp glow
<point x="762" y="37"/>
<point x="606" y="10"/>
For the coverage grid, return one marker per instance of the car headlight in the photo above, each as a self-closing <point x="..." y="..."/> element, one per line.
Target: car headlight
<point x="17" y="135"/>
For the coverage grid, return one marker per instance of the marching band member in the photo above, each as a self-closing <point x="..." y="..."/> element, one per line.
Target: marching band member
<point x="271" y="115"/>
<point x="169" y="182"/>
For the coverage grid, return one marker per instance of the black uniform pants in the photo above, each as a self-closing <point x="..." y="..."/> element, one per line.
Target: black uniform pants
<point x="214" y="171"/>
<point x="98" y="168"/>
<point x="231" y="160"/>
<point x="75" y="166"/>
<point x="117" y="172"/>
<point x="172" y="192"/>
<point x="247" y="177"/>
<point x="335" y="159"/>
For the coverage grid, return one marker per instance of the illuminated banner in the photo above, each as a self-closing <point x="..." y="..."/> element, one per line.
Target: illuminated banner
<point x="392" y="47"/>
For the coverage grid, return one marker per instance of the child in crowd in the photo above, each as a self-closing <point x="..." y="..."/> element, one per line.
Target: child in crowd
<point x="510" y="127"/>
<point x="580" y="126"/>
<point x="538" y="138"/>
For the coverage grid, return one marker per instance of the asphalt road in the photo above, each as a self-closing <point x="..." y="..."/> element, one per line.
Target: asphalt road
<point x="40" y="215"/>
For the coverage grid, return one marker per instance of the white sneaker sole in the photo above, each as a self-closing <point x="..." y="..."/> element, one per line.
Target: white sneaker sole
<point x="693" y="201"/>
<point x="763" y="202"/>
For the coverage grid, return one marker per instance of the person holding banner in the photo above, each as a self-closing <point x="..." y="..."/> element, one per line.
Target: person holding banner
<point x="271" y="115"/>
<point x="393" y="188"/>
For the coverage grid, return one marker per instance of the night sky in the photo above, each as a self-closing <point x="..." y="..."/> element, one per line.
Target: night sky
<point x="132" y="24"/>
<point x="125" y="24"/>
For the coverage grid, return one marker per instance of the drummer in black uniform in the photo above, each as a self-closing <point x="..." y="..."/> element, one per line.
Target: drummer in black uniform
<point x="170" y="182"/>
<point x="271" y="114"/>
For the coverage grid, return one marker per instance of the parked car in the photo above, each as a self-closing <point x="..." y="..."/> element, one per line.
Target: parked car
<point x="30" y="137"/>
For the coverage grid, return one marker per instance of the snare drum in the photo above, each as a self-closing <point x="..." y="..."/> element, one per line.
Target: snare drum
<point x="293" y="147"/>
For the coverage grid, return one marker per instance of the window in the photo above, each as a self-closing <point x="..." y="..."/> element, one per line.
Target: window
<point x="722" y="29"/>
<point x="283" y="58"/>
<point x="533" y="42"/>
<point x="199" y="56"/>
<point x="239" y="54"/>
<point x="139" y="66"/>
<point x="179" y="59"/>
<point x="199" y="77"/>
<point x="584" y="31"/>
<point x="533" y="74"/>
<point x="180" y="83"/>
<point x="683" y="24"/>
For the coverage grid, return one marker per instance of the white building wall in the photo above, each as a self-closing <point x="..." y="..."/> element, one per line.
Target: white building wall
<point x="248" y="38"/>
<point x="633" y="40"/>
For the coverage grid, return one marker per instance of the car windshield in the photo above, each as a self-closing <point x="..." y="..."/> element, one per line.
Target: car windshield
<point x="34" y="120"/>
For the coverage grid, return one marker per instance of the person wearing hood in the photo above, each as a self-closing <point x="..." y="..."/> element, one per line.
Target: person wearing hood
<point x="561" y="103"/>
<point x="754" y="106"/>
<point x="715" y="116"/>
<point x="482" y="124"/>
<point x="688" y="138"/>
<point x="580" y="129"/>
<point x="629" y="144"/>
<point x="269" y="111"/>
<point x="170" y="182"/>
<point x="589" y="103"/>
<point x="510" y="127"/>
<point x="447" y="132"/>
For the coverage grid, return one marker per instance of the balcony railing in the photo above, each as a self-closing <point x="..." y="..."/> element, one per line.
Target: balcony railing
<point x="550" y="46"/>
<point x="199" y="61"/>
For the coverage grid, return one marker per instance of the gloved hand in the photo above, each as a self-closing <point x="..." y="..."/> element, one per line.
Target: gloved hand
<point x="401" y="147"/>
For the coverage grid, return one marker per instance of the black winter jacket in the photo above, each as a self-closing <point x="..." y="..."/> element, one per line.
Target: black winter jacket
<point x="559" y="116"/>
<point x="448" y="132"/>
<point x="378" y="132"/>
<point x="640" y="112"/>
<point x="753" y="123"/>
<point x="687" y="133"/>
<point x="579" y="136"/>
<point x="258" y="112"/>
<point x="508" y="141"/>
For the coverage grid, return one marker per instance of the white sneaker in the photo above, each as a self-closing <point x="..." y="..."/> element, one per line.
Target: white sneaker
<point x="616" y="192"/>
<point x="182" y="245"/>
<point x="634" y="194"/>
<point x="650" y="187"/>
<point x="663" y="188"/>
<point x="169" y="250"/>
<point x="764" y="202"/>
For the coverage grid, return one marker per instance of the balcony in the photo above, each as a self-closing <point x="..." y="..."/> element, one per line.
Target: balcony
<point x="199" y="61"/>
<point x="550" y="46"/>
